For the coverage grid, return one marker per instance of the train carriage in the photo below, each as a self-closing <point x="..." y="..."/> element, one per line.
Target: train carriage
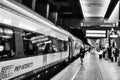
<point x="77" y="44"/>
<point x="28" y="42"/>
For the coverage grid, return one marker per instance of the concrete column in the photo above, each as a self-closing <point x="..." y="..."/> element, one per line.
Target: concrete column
<point x="56" y="18"/>
<point x="47" y="11"/>
<point x="33" y="5"/>
<point x="53" y="17"/>
<point x="118" y="39"/>
<point x="119" y="15"/>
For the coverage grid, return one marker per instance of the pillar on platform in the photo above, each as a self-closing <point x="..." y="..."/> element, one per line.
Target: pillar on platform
<point x="118" y="37"/>
<point x="33" y="4"/>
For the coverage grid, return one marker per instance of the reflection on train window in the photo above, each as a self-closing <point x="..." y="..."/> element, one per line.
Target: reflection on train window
<point x="65" y="45"/>
<point x="59" y="45"/>
<point x="49" y="48"/>
<point x="54" y="48"/>
<point x="6" y="43"/>
<point x="34" y="43"/>
<point x="55" y="45"/>
<point x="62" y="46"/>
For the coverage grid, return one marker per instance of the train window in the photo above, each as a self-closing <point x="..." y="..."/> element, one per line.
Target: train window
<point x="30" y="47"/>
<point x="41" y="47"/>
<point x="48" y="48"/>
<point x="35" y="44"/>
<point x="65" y="45"/>
<point x="77" y="46"/>
<point x="51" y="46"/>
<point x="55" y="45"/>
<point x="61" y="46"/>
<point x="6" y="43"/>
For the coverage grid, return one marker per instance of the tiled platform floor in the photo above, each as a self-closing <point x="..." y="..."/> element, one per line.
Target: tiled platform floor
<point x="92" y="69"/>
<point x="110" y="70"/>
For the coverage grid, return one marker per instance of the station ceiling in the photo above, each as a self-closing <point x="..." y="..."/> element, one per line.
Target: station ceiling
<point x="78" y="8"/>
<point x="75" y="9"/>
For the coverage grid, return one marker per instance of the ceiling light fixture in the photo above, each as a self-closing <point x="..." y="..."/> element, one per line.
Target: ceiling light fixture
<point x="94" y="8"/>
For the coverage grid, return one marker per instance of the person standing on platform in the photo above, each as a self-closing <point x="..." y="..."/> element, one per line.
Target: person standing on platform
<point x="109" y="53"/>
<point x="116" y="53"/>
<point x="100" y="54"/>
<point x="82" y="54"/>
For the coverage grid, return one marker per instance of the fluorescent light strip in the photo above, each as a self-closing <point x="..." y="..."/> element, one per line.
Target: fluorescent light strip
<point x="102" y="11"/>
<point x="95" y="35"/>
<point x="114" y="36"/>
<point x="95" y="31"/>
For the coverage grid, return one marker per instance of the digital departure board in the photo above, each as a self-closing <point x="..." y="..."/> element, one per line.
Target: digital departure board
<point x="96" y="33"/>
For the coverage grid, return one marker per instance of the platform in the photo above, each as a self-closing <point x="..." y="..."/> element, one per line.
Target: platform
<point x="110" y="70"/>
<point x="92" y="69"/>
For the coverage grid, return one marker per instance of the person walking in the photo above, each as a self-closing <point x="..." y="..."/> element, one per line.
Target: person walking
<point x="82" y="54"/>
<point x="116" y="53"/>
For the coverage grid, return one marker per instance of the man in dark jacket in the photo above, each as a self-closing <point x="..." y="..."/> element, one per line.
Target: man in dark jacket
<point x="82" y="54"/>
<point x="116" y="53"/>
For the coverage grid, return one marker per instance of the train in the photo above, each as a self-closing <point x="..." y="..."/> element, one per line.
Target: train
<point x="31" y="44"/>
